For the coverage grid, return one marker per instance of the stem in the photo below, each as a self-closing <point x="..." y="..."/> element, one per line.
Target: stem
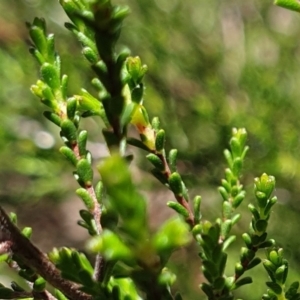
<point x="38" y="261"/>
<point x="180" y="199"/>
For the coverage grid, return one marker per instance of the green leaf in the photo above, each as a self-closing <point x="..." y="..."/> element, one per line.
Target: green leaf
<point x="39" y="284"/>
<point x="126" y="201"/>
<point x="261" y="225"/>
<point x="86" y="198"/>
<point x="175" y="184"/>
<point x="27" y="232"/>
<point x="156" y="162"/>
<point x="174" y="233"/>
<point x="90" y="55"/>
<point x="197" y="206"/>
<point x="69" y="130"/>
<point x="275" y="287"/>
<point x="289" y="4"/>
<point x="59" y="295"/>
<point x="238" y="199"/>
<point x="82" y="140"/>
<point x="247" y="239"/>
<point x="160" y="140"/>
<point x="228" y="242"/>
<point x="127" y="114"/>
<point x="69" y="154"/>
<point x="99" y="189"/>
<point x="54" y="118"/>
<point x="241" y="282"/>
<point x="239" y="269"/>
<point x="137" y="143"/>
<point x="81" y="261"/>
<point x="85" y="172"/>
<point x="71" y="107"/>
<point x="223" y="193"/>
<point x="253" y="263"/>
<point x="50" y="75"/>
<point x="280" y="274"/>
<point x="110" y="246"/>
<point x="37" y="34"/>
<point x="178" y="208"/>
<point x="155" y="123"/>
<point x="173" y="160"/>
<point x="208" y="290"/>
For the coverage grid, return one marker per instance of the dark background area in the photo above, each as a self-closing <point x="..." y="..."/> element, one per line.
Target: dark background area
<point x="213" y="65"/>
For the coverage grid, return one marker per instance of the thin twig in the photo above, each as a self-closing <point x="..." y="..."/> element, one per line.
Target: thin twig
<point x="38" y="261"/>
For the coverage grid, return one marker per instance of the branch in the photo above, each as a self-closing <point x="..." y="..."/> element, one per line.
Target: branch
<point x="38" y="261"/>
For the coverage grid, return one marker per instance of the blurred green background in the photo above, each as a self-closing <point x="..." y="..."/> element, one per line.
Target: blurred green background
<point x="213" y="65"/>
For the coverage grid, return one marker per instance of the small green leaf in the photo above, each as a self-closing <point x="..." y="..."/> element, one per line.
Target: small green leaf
<point x="82" y="263"/>
<point x="99" y="189"/>
<point x="110" y="246"/>
<point x="289" y="4"/>
<point x="173" y="160"/>
<point x="253" y="263"/>
<point x="208" y="290"/>
<point x="238" y="199"/>
<point x="197" y="207"/>
<point x="160" y="140"/>
<point x="128" y="113"/>
<point x="50" y="75"/>
<point x="54" y="118"/>
<point x="228" y="157"/>
<point x="175" y="183"/>
<point x="37" y="35"/>
<point x="82" y="139"/>
<point x="178" y="208"/>
<point x="239" y="269"/>
<point x="137" y="143"/>
<point x="223" y="193"/>
<point x="90" y="55"/>
<point x="225" y="228"/>
<point x="156" y="162"/>
<point x="254" y="211"/>
<point x="280" y="274"/>
<point x="247" y="239"/>
<point x="267" y="244"/>
<point x="269" y="205"/>
<point x="69" y="130"/>
<point x="86" y="198"/>
<point x="227" y="209"/>
<point x="39" y="284"/>
<point x="241" y="282"/>
<point x="275" y="287"/>
<point x="85" y="172"/>
<point x="261" y="225"/>
<point x="71" y="107"/>
<point x="69" y="154"/>
<point x="27" y="232"/>
<point x="274" y="258"/>
<point x="59" y="295"/>
<point x="155" y="123"/>
<point x="174" y="233"/>
<point x="228" y="242"/>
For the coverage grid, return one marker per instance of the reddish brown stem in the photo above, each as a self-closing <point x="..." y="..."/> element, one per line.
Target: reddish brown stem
<point x="35" y="259"/>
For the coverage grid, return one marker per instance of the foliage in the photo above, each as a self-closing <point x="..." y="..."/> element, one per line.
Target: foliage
<point x="131" y="261"/>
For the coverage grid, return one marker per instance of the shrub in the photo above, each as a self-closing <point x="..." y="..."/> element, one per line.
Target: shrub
<point x="131" y="261"/>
